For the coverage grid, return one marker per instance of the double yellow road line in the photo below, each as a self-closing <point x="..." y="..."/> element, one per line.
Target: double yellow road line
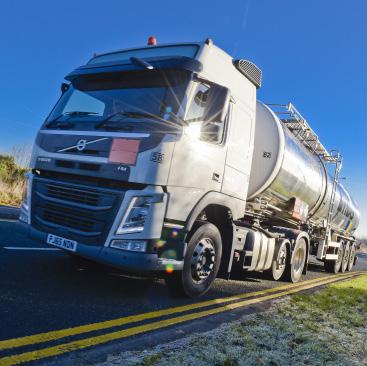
<point x="216" y="307"/>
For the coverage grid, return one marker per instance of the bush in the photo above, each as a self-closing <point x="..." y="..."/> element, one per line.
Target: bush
<point x="10" y="172"/>
<point x="12" y="180"/>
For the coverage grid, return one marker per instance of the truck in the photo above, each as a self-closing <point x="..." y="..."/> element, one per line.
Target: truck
<point x="160" y="161"/>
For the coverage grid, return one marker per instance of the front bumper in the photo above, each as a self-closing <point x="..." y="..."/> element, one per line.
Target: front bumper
<point x="133" y="262"/>
<point x="75" y="206"/>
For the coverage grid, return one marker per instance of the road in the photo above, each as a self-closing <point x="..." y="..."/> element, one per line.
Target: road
<point x="42" y="290"/>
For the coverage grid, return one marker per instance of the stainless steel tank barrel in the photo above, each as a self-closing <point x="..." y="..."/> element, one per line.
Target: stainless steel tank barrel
<point x="283" y="169"/>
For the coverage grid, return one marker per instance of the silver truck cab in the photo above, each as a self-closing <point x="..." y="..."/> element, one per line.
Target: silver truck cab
<point x="144" y="162"/>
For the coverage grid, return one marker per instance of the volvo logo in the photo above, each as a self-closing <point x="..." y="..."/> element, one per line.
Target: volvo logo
<point x="81" y="145"/>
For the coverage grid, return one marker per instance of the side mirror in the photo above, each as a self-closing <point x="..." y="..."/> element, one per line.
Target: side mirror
<point x="217" y="104"/>
<point x="64" y="87"/>
<point x="210" y="131"/>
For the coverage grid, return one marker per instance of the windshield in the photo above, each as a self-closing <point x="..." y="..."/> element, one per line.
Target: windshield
<point x="116" y="97"/>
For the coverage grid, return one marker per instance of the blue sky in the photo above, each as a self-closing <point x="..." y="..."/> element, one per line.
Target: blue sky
<point x="312" y="53"/>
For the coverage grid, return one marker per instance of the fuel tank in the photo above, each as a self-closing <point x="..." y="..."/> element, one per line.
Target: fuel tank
<point x="284" y="171"/>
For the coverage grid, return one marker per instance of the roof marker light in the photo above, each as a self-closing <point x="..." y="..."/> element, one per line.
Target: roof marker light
<point x="152" y="41"/>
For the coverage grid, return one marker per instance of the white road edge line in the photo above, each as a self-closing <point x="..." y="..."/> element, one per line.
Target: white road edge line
<point x="25" y="248"/>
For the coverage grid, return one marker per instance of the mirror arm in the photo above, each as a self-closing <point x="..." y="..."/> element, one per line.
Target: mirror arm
<point x="64" y="87"/>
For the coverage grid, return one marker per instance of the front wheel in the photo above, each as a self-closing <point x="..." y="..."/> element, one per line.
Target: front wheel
<point x="294" y="268"/>
<point x="201" y="263"/>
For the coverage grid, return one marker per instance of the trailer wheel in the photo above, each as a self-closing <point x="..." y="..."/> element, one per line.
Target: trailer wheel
<point x="295" y="266"/>
<point x="201" y="263"/>
<point x="352" y="257"/>
<point x="345" y="259"/>
<point x="333" y="266"/>
<point x="279" y="262"/>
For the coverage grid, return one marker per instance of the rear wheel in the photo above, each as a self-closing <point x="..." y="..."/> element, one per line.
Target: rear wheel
<point x="201" y="263"/>
<point x="279" y="262"/>
<point x="296" y="265"/>
<point x="333" y="266"/>
<point x="352" y="257"/>
<point x="345" y="259"/>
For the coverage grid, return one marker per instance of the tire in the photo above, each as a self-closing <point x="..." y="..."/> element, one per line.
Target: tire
<point x="352" y="256"/>
<point x="201" y="263"/>
<point x="279" y="263"/>
<point x="345" y="259"/>
<point x="334" y="265"/>
<point x="295" y="266"/>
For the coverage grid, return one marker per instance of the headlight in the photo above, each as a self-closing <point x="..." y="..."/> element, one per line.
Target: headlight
<point x="136" y="215"/>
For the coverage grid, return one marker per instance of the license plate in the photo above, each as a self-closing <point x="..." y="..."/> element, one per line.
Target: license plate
<point x="62" y="243"/>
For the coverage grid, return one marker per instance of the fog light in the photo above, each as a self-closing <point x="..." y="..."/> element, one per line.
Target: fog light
<point x="131" y="245"/>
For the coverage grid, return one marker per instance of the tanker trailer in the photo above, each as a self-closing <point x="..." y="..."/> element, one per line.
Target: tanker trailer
<point x="292" y="190"/>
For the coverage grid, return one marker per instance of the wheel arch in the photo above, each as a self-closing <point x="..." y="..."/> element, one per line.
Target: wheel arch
<point x="218" y="209"/>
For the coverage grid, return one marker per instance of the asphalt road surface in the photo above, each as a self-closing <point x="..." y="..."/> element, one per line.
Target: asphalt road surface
<point x="42" y="290"/>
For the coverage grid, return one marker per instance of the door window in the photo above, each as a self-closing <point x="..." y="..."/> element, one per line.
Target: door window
<point x="195" y="116"/>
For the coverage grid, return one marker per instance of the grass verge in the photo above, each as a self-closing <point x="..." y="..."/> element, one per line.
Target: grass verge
<point x="328" y="327"/>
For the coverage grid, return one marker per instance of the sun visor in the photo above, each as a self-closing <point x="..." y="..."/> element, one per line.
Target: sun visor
<point x="182" y="62"/>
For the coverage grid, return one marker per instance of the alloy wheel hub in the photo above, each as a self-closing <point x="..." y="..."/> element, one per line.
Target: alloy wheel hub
<point x="203" y="260"/>
<point x="281" y="258"/>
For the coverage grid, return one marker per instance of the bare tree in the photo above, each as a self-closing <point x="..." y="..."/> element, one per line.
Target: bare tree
<point x="22" y="154"/>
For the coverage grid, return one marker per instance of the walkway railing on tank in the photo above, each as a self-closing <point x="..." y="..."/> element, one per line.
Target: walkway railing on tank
<point x="299" y="127"/>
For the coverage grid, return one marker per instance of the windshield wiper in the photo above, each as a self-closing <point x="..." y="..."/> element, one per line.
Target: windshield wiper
<point x="108" y="120"/>
<point x="66" y="124"/>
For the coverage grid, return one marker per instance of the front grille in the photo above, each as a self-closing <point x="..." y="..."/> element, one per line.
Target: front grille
<point x="66" y="217"/>
<point x="79" y="212"/>
<point x="72" y="194"/>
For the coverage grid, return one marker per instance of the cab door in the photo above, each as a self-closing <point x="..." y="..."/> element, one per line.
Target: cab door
<point x="198" y="160"/>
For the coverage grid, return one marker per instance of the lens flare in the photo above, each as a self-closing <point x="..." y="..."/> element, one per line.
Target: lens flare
<point x="160" y="243"/>
<point x="169" y="268"/>
<point x="193" y="130"/>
